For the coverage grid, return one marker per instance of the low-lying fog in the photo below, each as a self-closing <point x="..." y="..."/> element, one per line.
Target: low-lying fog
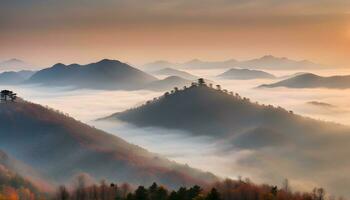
<point x="199" y="152"/>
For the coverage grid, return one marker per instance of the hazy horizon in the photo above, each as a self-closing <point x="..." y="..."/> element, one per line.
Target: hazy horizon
<point x="140" y="32"/>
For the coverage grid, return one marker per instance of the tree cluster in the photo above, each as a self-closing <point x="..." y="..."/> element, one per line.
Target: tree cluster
<point x="7" y="95"/>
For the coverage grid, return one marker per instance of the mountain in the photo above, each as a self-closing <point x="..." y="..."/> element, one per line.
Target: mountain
<point x="202" y="110"/>
<point x="60" y="147"/>
<point x="245" y="74"/>
<point x="15" y="77"/>
<point x="265" y="62"/>
<point x="14" y="64"/>
<point x="168" y="83"/>
<point x="277" y="63"/>
<point x="199" y="64"/>
<point x="105" y="74"/>
<point x="174" y="72"/>
<point x="309" y="80"/>
<point x="262" y="140"/>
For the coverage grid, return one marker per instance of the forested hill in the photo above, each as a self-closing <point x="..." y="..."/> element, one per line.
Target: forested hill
<point x="215" y="112"/>
<point x="60" y="147"/>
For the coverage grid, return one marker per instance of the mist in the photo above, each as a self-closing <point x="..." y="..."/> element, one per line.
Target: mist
<point x="262" y="165"/>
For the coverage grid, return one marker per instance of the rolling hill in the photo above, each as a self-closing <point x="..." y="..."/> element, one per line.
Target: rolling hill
<point x="167" y="84"/>
<point x="274" y="142"/>
<point x="105" y="74"/>
<point x="15" y="77"/>
<point x="245" y="74"/>
<point x="309" y="80"/>
<point x="175" y="72"/>
<point x="60" y="147"/>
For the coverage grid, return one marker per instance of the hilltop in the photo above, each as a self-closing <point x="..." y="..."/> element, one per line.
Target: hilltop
<point x="167" y="83"/>
<point x="60" y="147"/>
<point x="309" y="80"/>
<point x="245" y="74"/>
<point x="175" y="72"/>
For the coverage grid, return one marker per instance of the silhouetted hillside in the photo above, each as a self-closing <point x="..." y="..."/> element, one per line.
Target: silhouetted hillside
<point x="105" y="74"/>
<point x="309" y="80"/>
<point x="175" y="72"/>
<point x="60" y="147"/>
<point x="245" y="74"/>
<point x="15" y="77"/>
<point x="167" y="83"/>
<point x="202" y="110"/>
<point x="280" y="143"/>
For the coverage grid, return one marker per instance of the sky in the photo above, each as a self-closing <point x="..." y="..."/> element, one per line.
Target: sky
<point x="44" y="32"/>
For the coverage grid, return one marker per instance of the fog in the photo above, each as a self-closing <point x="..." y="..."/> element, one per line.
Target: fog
<point x="201" y="152"/>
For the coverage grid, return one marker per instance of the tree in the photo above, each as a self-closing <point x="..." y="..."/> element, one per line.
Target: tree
<point x="201" y="81"/>
<point x="194" y="191"/>
<point x="63" y="193"/>
<point x="213" y="195"/>
<point x="7" y="95"/>
<point x="141" y="193"/>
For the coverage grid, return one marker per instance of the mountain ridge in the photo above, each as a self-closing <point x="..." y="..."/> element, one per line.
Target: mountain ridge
<point x="80" y="148"/>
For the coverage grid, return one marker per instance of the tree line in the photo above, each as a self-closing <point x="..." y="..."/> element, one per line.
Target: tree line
<point x="224" y="190"/>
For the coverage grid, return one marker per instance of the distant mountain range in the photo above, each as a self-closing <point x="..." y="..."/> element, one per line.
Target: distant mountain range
<point x="14" y="65"/>
<point x="15" y="77"/>
<point x="309" y="80"/>
<point x="59" y="147"/>
<point x="265" y="62"/>
<point x="105" y="74"/>
<point x="245" y="74"/>
<point x="175" y="72"/>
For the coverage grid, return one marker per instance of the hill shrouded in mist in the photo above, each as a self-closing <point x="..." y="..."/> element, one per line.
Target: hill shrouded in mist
<point x="265" y="62"/>
<point x="309" y="80"/>
<point x="59" y="147"/>
<point x="15" y="77"/>
<point x="167" y="84"/>
<point x="105" y="74"/>
<point x="175" y="72"/>
<point x="245" y="74"/>
<point x="271" y="134"/>
<point x="14" y="64"/>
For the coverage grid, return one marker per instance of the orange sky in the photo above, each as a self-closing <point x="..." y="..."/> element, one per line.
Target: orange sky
<point x="45" y="32"/>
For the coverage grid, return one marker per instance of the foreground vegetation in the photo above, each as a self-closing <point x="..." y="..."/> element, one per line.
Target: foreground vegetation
<point x="225" y="190"/>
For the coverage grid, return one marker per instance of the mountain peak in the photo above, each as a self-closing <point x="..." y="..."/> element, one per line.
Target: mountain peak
<point x="108" y="61"/>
